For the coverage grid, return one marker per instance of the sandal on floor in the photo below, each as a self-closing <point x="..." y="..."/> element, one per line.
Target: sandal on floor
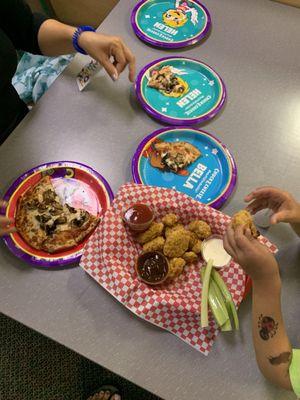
<point x="106" y="392"/>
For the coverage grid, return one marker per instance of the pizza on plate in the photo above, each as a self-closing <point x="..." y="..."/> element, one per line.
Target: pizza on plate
<point x="47" y="224"/>
<point x="167" y="82"/>
<point x="174" y="156"/>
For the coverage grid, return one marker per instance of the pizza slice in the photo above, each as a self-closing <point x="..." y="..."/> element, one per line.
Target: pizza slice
<point x="47" y="224"/>
<point x="167" y="82"/>
<point x="176" y="156"/>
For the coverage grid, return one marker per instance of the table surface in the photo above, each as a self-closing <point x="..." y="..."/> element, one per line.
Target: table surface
<point x="255" y="47"/>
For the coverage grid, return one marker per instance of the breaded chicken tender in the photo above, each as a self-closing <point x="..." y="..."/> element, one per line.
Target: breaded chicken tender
<point x="198" y="247"/>
<point x="176" y="266"/>
<point x="177" y="227"/>
<point x="190" y="257"/>
<point x="193" y="240"/>
<point x="155" y="230"/>
<point x="156" y="244"/>
<point x="170" y="220"/>
<point x="201" y="228"/>
<point x="176" y="243"/>
<point x="244" y="218"/>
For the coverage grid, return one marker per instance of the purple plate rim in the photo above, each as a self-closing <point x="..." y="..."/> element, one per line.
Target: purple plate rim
<point x="176" y="121"/>
<point x="218" y="202"/>
<point x="60" y="262"/>
<point x="185" y="43"/>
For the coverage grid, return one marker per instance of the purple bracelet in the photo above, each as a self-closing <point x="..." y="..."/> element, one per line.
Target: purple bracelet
<point x="77" y="33"/>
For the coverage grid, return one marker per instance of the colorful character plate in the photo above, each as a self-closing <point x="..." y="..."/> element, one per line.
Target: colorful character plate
<point x="203" y="96"/>
<point x="210" y="179"/>
<point x="76" y="184"/>
<point x="170" y="23"/>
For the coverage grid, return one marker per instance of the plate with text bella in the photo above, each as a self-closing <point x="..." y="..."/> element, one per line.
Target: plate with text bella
<point x="209" y="175"/>
<point x="200" y="95"/>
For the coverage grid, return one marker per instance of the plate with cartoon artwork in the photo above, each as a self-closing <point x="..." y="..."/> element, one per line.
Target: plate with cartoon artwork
<point x="170" y="23"/>
<point x="189" y="160"/>
<point x="75" y="184"/>
<point x="180" y="91"/>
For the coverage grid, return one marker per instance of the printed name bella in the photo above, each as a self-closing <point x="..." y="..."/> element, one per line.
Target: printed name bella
<point x="198" y="173"/>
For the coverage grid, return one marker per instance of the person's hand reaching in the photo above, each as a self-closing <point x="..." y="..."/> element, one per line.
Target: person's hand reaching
<point x="285" y="208"/>
<point x="255" y="258"/>
<point x="110" y="51"/>
<point x="6" y="224"/>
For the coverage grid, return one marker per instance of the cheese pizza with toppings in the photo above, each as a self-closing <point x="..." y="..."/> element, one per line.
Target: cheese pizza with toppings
<point x="167" y="82"/>
<point x="47" y="224"/>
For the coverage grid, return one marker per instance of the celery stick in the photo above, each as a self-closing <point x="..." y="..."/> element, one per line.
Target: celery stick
<point x="204" y="297"/>
<point x="228" y="299"/>
<point x="227" y="326"/>
<point x="213" y="287"/>
<point x="216" y="302"/>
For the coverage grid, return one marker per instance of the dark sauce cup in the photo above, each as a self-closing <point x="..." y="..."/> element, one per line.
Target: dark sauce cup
<point x="152" y="267"/>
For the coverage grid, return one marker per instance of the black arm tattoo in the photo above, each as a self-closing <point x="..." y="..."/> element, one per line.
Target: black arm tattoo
<point x="267" y="327"/>
<point x="283" y="358"/>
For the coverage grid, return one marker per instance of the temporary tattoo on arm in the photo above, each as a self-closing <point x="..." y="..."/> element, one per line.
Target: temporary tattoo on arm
<point x="267" y="327"/>
<point x="283" y="358"/>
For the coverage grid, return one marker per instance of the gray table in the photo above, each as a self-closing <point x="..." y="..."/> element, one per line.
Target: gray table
<point x="255" y="47"/>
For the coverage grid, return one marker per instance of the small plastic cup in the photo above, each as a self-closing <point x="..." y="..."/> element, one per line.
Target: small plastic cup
<point x="138" y="217"/>
<point x="155" y="272"/>
<point x="212" y="248"/>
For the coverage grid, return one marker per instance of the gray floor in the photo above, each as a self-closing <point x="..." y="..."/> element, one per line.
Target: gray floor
<point x="33" y="367"/>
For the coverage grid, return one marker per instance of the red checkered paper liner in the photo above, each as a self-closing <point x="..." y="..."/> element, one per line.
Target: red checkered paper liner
<point x="110" y="254"/>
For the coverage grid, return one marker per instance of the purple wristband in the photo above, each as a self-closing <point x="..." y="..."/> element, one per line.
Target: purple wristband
<point x="77" y="33"/>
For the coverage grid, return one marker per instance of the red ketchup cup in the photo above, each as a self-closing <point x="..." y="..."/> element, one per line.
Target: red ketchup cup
<point x="138" y="217"/>
<point x="152" y="267"/>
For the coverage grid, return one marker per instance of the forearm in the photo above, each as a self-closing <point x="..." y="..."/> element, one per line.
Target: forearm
<point x="272" y="346"/>
<point x="55" y="38"/>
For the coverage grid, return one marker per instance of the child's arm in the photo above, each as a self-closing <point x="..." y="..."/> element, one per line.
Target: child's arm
<point x="6" y="224"/>
<point x="283" y="205"/>
<point x="272" y="347"/>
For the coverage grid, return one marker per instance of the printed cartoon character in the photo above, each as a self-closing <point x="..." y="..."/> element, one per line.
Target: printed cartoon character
<point x="178" y="17"/>
<point x="268" y="327"/>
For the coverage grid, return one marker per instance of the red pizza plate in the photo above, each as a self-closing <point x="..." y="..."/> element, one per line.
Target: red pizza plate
<point x="76" y="184"/>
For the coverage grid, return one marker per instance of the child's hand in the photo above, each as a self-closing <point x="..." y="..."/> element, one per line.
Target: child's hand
<point x="283" y="204"/>
<point x="255" y="259"/>
<point x="6" y="223"/>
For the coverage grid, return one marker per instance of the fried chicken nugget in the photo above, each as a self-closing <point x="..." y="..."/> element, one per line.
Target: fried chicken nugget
<point x="201" y="228"/>
<point x="156" y="244"/>
<point x="244" y="218"/>
<point x="177" y="227"/>
<point x="198" y="247"/>
<point x="155" y="230"/>
<point x="176" y="243"/>
<point x="170" y="220"/>
<point x="176" y="266"/>
<point x="193" y="240"/>
<point x="190" y="257"/>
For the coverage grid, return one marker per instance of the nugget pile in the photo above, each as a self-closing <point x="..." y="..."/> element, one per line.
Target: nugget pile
<point x="179" y="244"/>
